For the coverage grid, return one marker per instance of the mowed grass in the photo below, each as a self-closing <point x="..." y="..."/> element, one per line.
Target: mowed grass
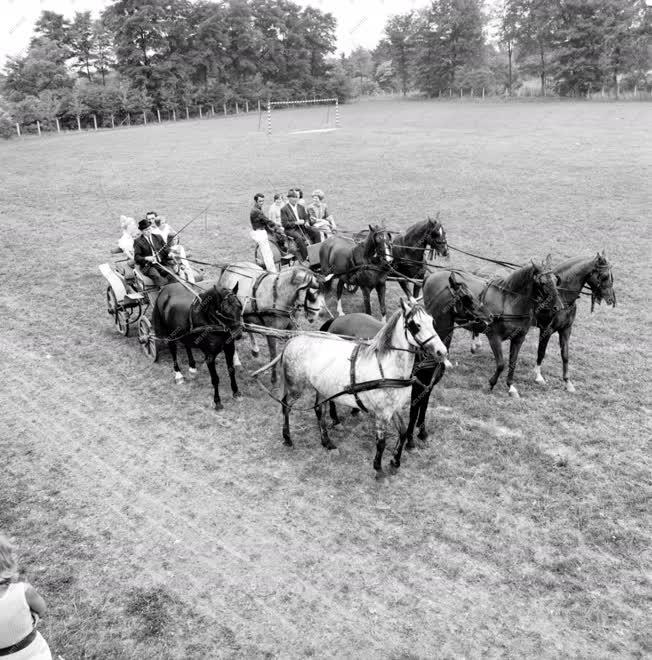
<point x="157" y="528"/>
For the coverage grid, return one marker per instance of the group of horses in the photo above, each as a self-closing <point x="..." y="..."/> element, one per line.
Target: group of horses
<point x="358" y="361"/>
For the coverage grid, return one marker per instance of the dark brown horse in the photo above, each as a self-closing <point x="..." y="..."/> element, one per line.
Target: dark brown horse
<point x="364" y="264"/>
<point x="514" y="300"/>
<point x="210" y="320"/>
<point x="573" y="274"/>
<point x="411" y="249"/>
<point x="449" y="301"/>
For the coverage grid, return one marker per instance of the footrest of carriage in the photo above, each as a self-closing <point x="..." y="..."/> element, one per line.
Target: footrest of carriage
<point x="132" y="299"/>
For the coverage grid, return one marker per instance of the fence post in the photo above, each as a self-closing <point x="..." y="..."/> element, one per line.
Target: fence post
<point x="602" y="91"/>
<point x="201" y="115"/>
<point x="224" y="106"/>
<point x="461" y="92"/>
<point x="187" y="113"/>
<point x="635" y="91"/>
<point x="78" y="123"/>
<point x="129" y="119"/>
<point x="483" y="93"/>
<point x="471" y="92"/>
<point x="112" y="121"/>
<point x="237" y="110"/>
<point x="144" y="118"/>
<point x="269" y="117"/>
<point x="38" y="127"/>
<point x="58" y="127"/>
<point x="95" y="122"/>
<point x="258" y="106"/>
<point x="246" y="105"/>
<point x="450" y="92"/>
<point x="174" y="114"/>
<point x="18" y="129"/>
<point x="337" y="113"/>
<point x="158" y="115"/>
<point x="212" y="110"/>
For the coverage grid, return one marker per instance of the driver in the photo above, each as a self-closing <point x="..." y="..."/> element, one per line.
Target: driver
<point x="151" y="253"/>
<point x="259" y="220"/>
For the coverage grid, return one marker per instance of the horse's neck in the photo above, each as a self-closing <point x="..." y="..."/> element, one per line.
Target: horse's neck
<point x="517" y="300"/>
<point x="412" y="239"/>
<point x="573" y="275"/>
<point x="396" y="362"/>
<point x="359" y="254"/>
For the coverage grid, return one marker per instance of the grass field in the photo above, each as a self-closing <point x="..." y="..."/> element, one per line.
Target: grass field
<point x="157" y="528"/>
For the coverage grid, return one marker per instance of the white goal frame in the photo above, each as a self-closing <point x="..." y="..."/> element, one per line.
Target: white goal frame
<point x="271" y="104"/>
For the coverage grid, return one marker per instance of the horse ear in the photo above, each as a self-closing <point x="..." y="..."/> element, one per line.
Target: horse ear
<point x="371" y="228"/>
<point x="603" y="254"/>
<point x="548" y="262"/>
<point x="235" y="288"/>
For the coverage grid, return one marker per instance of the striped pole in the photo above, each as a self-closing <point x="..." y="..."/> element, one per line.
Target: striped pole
<point x="58" y="126"/>
<point x="269" y="118"/>
<point x="337" y="114"/>
<point x="158" y="114"/>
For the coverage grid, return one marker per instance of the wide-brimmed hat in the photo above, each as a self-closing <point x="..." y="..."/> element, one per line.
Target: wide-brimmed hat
<point x="144" y="224"/>
<point x="292" y="193"/>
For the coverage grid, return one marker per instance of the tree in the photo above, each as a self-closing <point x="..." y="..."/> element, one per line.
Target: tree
<point x="54" y="28"/>
<point x="401" y="33"/>
<point x="508" y="23"/>
<point x="450" y="37"/>
<point x="81" y="43"/>
<point x="385" y="75"/>
<point x="102" y="51"/>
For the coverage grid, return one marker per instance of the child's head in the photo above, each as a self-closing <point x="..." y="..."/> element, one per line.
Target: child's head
<point x="8" y="566"/>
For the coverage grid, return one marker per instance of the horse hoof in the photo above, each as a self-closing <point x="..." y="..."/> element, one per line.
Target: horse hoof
<point x="192" y="372"/>
<point x="219" y="406"/>
<point x="238" y="396"/>
<point x="393" y="466"/>
<point x="255" y="353"/>
<point x="332" y="425"/>
<point x="329" y="445"/>
<point x="178" y="379"/>
<point x="513" y="392"/>
<point x="287" y="442"/>
<point x="570" y="387"/>
<point x="380" y="475"/>
<point x="423" y="435"/>
<point x="409" y="445"/>
<point x="540" y="379"/>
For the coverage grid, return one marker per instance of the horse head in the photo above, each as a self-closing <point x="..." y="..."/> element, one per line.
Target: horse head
<point x="545" y="282"/>
<point x="601" y="281"/>
<point x="226" y="309"/>
<point x="466" y="307"/>
<point x="420" y="330"/>
<point x="435" y="237"/>
<point x="311" y="287"/>
<point x="379" y="245"/>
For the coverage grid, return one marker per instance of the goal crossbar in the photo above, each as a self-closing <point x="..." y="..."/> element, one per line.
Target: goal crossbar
<point x="271" y="104"/>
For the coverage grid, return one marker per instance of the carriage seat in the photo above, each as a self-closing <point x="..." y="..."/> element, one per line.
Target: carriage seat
<point x="146" y="281"/>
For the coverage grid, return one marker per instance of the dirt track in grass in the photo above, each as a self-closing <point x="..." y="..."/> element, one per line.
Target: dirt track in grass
<point x="156" y="528"/>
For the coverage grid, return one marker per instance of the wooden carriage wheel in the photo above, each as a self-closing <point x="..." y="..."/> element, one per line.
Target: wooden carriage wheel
<point x="120" y="316"/>
<point x="147" y="339"/>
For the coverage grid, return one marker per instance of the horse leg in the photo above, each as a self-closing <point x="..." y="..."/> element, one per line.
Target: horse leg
<point x="287" y="440"/>
<point x="497" y="348"/>
<point x="339" y="292"/>
<point x="320" y="408"/>
<point x="229" y="354"/>
<point x="366" y="296"/>
<point x="210" y="363"/>
<point x="380" y="447"/>
<point x="380" y="290"/>
<point x="192" y="366"/>
<point x="271" y="345"/>
<point x="178" y="376"/>
<point x="564" y="342"/>
<point x="254" y="344"/>
<point x="332" y="411"/>
<point x="405" y="285"/>
<point x="417" y="290"/>
<point x="544" y="338"/>
<point x="514" y="348"/>
<point x="395" y="462"/>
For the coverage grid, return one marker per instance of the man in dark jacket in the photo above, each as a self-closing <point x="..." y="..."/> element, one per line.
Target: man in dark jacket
<point x="150" y="252"/>
<point x="296" y="222"/>
<point x="259" y="220"/>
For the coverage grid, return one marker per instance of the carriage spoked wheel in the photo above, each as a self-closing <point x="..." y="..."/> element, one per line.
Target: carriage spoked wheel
<point x="118" y="313"/>
<point x="147" y="339"/>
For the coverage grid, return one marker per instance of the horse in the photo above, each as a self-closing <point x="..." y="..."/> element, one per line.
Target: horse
<point x="276" y="253"/>
<point x="210" y="320"/>
<point x="514" y="300"/>
<point x="373" y="377"/>
<point x="411" y="248"/>
<point x="595" y="272"/>
<point x="448" y="300"/>
<point x="364" y="264"/>
<point x="275" y="299"/>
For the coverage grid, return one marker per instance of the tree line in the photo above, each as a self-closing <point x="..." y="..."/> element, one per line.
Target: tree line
<point x="169" y="54"/>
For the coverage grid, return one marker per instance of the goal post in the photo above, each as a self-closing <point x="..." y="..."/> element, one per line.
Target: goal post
<point x="275" y="104"/>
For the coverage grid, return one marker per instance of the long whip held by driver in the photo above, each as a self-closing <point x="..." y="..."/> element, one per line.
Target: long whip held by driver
<point x="156" y="254"/>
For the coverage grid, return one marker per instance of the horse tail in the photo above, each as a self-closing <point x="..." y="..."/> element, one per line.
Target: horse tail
<point x="269" y="365"/>
<point x="326" y="325"/>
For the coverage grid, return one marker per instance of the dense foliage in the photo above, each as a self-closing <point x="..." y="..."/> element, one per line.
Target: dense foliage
<point x="143" y="55"/>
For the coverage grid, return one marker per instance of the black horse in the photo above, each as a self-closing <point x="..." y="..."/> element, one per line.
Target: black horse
<point x="410" y="250"/>
<point x="574" y="274"/>
<point x="364" y="264"/>
<point x="449" y="301"/>
<point x="210" y="320"/>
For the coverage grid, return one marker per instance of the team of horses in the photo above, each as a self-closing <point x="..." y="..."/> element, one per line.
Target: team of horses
<point x="372" y="365"/>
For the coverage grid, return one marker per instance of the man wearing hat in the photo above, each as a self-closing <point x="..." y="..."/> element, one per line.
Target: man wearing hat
<point x="296" y="222"/>
<point x="150" y="252"/>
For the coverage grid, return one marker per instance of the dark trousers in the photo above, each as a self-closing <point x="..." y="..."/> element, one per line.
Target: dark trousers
<point x="314" y="235"/>
<point x="297" y="235"/>
<point x="158" y="275"/>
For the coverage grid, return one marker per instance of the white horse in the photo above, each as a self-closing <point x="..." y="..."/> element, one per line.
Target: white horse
<point x="352" y="372"/>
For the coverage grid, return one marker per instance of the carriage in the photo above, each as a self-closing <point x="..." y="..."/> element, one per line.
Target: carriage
<point x="131" y="295"/>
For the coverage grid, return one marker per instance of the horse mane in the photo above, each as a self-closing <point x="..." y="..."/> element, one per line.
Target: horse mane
<point x="518" y="280"/>
<point x="382" y="342"/>
<point x="369" y="244"/>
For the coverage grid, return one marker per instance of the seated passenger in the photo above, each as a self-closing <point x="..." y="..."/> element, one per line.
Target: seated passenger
<point x="259" y="220"/>
<point x="320" y="218"/>
<point x="129" y="233"/>
<point x="274" y="212"/>
<point x="160" y="227"/>
<point x="151" y="253"/>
